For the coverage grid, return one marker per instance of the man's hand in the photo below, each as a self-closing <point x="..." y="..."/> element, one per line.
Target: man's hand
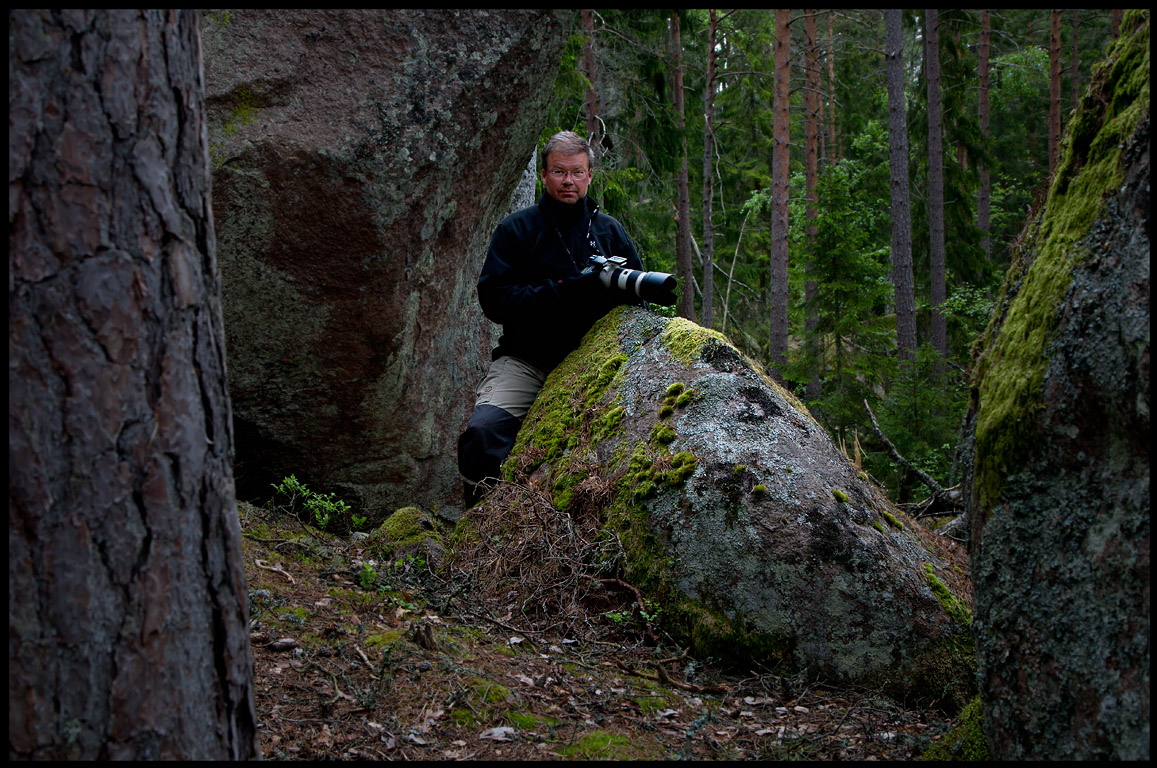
<point x="580" y="288"/>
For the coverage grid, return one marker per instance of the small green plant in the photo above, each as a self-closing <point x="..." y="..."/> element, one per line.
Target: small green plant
<point x="619" y="617"/>
<point x="357" y="521"/>
<point x="368" y="576"/>
<point x="651" y="611"/>
<point x="295" y="490"/>
<point x="323" y="509"/>
<point x="408" y="563"/>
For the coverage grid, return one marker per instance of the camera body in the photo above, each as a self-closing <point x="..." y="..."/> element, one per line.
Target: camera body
<point x="655" y="287"/>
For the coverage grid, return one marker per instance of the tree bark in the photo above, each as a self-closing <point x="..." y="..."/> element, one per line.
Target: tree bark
<point x="127" y="619"/>
<point x="779" y="193"/>
<point x="936" y="184"/>
<point x="984" y="193"/>
<point x="590" y="70"/>
<point x="683" y="201"/>
<point x="1075" y="66"/>
<point x="811" y="172"/>
<point x="833" y="127"/>
<point x="902" y="279"/>
<point x="707" y="310"/>
<point x="1054" y="90"/>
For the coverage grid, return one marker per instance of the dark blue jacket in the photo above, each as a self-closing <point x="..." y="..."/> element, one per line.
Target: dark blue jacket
<point x="531" y="283"/>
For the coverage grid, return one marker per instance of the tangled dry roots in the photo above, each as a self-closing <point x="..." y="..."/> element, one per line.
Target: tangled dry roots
<point x="527" y="558"/>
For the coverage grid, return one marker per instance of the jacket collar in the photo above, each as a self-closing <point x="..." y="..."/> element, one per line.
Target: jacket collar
<point x="568" y="214"/>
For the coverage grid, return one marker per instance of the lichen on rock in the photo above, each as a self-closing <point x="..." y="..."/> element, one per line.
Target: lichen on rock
<point x="790" y="573"/>
<point x="1059" y="480"/>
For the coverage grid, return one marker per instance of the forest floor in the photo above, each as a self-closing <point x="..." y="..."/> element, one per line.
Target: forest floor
<point x="360" y="659"/>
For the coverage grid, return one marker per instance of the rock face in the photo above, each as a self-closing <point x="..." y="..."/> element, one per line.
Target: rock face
<point x="361" y="160"/>
<point x="739" y="516"/>
<point x="1060" y="482"/>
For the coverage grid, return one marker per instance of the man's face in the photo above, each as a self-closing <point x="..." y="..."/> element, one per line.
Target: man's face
<point x="559" y="177"/>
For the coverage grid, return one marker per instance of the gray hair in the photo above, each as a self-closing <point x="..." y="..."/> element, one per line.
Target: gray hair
<point x="568" y="143"/>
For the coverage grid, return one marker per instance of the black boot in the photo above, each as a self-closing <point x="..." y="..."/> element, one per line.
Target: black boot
<point x="472" y="493"/>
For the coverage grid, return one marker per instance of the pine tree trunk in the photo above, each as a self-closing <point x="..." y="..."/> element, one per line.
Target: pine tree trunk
<point x="984" y="193"/>
<point x="590" y="70"/>
<point x="780" y="159"/>
<point x="683" y="192"/>
<point x="811" y="173"/>
<point x="779" y="193"/>
<point x="1054" y="91"/>
<point x="708" y="176"/>
<point x="936" y="251"/>
<point x="902" y="279"/>
<point x="1075" y="67"/>
<point x="833" y="128"/>
<point x="128" y="629"/>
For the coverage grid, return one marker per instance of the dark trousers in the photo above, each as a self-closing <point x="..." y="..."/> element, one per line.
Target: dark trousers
<point x="504" y="397"/>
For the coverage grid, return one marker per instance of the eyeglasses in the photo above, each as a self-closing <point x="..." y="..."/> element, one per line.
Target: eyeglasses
<point x="561" y="175"/>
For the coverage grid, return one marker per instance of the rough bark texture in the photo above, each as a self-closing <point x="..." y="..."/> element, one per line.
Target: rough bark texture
<point x="781" y="131"/>
<point x="811" y="118"/>
<point x="127" y="616"/>
<point x="1054" y="90"/>
<point x="707" y="308"/>
<point x="984" y="190"/>
<point x="938" y="291"/>
<point x="361" y="160"/>
<point x="902" y="279"/>
<point x="590" y="71"/>
<point x="682" y="190"/>
<point x="1060" y="433"/>
<point x="739" y="516"/>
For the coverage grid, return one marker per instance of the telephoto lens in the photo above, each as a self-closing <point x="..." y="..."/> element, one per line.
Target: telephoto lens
<point x="653" y="287"/>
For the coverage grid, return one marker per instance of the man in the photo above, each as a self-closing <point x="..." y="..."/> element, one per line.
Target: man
<point x="536" y="285"/>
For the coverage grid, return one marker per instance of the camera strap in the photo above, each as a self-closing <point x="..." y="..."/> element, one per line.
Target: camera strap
<point x="590" y="239"/>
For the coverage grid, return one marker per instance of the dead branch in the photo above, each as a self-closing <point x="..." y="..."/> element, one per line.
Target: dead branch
<point x="663" y="677"/>
<point x="924" y="476"/>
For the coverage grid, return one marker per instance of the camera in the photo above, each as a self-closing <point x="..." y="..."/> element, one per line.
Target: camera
<point x="655" y="287"/>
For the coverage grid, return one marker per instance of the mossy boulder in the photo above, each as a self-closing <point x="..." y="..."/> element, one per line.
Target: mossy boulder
<point x="1060" y="433"/>
<point x="410" y="532"/>
<point x="738" y="515"/>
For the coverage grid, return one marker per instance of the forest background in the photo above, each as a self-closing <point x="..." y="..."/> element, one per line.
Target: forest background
<point x="863" y="268"/>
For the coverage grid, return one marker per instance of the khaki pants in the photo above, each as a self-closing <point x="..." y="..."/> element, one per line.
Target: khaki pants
<point x="510" y="384"/>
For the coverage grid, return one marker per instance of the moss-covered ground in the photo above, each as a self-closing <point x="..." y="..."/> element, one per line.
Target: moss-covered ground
<point x="408" y="665"/>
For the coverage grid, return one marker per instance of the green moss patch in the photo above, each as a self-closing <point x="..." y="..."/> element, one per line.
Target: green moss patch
<point x="556" y="422"/>
<point x="966" y="740"/>
<point x="953" y="605"/>
<point x="600" y="745"/>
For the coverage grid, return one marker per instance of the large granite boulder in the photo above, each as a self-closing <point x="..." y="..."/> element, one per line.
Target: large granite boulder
<point x="1060" y="433"/>
<point x="737" y="514"/>
<point x="361" y="159"/>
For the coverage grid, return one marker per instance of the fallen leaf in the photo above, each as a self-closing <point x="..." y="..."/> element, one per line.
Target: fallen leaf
<point x="501" y="733"/>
